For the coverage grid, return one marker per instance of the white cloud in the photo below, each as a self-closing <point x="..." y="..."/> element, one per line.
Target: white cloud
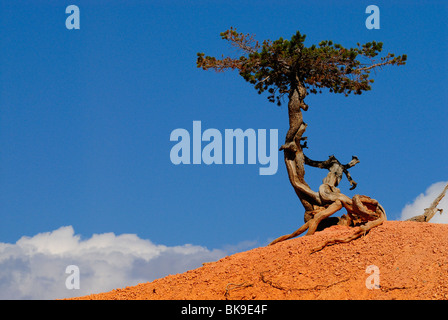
<point x="34" y="267"/>
<point x="424" y="200"/>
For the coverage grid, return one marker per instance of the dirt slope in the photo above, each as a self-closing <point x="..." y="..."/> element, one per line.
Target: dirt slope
<point x="412" y="259"/>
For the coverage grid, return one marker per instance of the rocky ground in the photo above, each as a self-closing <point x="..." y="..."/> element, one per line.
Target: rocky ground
<point x="397" y="260"/>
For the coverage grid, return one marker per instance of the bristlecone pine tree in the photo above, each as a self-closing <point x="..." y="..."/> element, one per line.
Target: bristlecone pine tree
<point x="288" y="69"/>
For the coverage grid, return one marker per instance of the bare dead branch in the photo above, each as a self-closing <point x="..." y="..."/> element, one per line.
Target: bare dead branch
<point x="430" y="212"/>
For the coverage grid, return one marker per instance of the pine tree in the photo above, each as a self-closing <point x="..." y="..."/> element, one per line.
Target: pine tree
<point x="289" y="70"/>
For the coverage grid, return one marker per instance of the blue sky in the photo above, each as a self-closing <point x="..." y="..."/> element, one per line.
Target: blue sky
<point x="86" y="117"/>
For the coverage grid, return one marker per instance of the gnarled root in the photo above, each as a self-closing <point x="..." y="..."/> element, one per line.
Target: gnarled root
<point x="312" y="224"/>
<point x="364" y="209"/>
<point x="296" y="233"/>
<point x="361" y="230"/>
<point x="363" y="212"/>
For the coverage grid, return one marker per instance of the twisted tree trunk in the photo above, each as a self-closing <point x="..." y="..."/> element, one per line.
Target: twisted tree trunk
<point x="363" y="212"/>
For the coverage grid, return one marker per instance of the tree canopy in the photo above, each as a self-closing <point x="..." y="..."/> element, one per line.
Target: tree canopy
<point x="275" y="66"/>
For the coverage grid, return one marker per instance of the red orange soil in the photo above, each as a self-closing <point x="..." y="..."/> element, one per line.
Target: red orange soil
<point x="412" y="259"/>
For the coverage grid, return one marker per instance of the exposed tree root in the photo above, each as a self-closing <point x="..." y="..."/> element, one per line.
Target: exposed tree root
<point x="364" y="214"/>
<point x="361" y="230"/>
<point x="233" y="286"/>
<point x="312" y="224"/>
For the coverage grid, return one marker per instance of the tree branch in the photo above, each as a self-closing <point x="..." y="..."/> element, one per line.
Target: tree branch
<point x="432" y="210"/>
<point x="335" y="167"/>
